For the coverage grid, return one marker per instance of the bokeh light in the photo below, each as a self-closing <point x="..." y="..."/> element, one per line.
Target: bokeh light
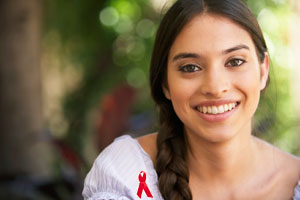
<point x="109" y="16"/>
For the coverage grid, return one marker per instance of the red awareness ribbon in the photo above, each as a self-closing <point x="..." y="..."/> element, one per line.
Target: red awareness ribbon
<point x="143" y="186"/>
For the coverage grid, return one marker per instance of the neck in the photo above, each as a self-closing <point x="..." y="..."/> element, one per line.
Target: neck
<point x="225" y="162"/>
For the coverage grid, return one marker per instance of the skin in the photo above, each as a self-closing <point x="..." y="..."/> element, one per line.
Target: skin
<point x="225" y="161"/>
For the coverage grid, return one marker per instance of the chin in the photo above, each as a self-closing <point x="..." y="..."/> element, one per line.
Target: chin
<point x="218" y="137"/>
<point x="213" y="136"/>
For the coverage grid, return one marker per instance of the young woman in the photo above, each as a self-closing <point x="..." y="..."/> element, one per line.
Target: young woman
<point x="209" y="65"/>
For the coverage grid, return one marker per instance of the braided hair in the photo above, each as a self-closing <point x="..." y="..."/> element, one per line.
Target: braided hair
<point x="171" y="166"/>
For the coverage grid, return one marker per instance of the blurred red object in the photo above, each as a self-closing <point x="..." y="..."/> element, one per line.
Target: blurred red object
<point x="68" y="154"/>
<point x="114" y="114"/>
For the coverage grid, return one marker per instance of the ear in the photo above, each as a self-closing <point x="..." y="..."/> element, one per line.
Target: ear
<point x="166" y="92"/>
<point x="264" y="71"/>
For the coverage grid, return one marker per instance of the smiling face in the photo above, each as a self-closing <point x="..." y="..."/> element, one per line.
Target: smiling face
<point x="214" y="78"/>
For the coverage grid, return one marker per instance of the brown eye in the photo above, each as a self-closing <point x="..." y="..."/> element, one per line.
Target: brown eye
<point x="190" y="68"/>
<point x="235" y="62"/>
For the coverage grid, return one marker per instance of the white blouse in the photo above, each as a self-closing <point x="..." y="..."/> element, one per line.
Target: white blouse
<point x="124" y="171"/>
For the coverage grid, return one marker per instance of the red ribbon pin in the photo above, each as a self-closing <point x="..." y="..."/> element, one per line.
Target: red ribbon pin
<point x="143" y="186"/>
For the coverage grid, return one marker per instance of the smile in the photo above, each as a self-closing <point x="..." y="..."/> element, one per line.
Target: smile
<point x="214" y="110"/>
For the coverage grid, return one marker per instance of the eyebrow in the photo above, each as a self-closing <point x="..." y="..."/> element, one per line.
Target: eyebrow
<point x="185" y="55"/>
<point x="194" y="55"/>
<point x="238" y="47"/>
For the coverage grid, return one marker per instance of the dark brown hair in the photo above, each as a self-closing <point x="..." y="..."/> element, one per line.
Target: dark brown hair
<point x="171" y="164"/>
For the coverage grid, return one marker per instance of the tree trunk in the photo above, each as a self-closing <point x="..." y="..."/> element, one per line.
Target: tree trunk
<point x="21" y="148"/>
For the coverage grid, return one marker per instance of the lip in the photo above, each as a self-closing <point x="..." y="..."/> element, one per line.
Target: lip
<point x="213" y="118"/>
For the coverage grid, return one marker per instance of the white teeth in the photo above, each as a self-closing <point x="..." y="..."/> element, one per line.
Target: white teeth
<point x="200" y="109"/>
<point x="226" y="108"/>
<point x="233" y="105"/>
<point x="209" y="110"/>
<point x="214" y="110"/>
<point x="204" y="110"/>
<point x="220" y="109"/>
<point x="217" y="109"/>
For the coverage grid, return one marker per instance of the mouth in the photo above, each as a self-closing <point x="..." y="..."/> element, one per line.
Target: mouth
<point x="217" y="109"/>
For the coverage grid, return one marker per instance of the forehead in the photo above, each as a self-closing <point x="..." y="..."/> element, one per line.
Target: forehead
<point x="209" y="33"/>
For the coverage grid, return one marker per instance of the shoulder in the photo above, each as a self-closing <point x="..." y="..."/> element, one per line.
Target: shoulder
<point x="288" y="163"/>
<point x="289" y="168"/>
<point x="124" y="148"/>
<point x="148" y="143"/>
<point x="117" y="168"/>
<point x="279" y="158"/>
<point x="284" y="167"/>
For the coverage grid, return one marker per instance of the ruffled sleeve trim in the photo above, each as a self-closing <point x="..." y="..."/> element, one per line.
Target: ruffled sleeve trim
<point x="107" y="196"/>
<point x="297" y="192"/>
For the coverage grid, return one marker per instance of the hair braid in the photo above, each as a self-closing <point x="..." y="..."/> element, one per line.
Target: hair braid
<point x="170" y="162"/>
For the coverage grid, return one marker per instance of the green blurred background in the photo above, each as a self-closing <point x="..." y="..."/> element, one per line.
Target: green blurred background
<point x="74" y="75"/>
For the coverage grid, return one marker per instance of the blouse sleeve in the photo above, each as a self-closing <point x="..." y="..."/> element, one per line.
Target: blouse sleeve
<point x="102" y="182"/>
<point x="115" y="172"/>
<point x="99" y="185"/>
<point x="297" y="192"/>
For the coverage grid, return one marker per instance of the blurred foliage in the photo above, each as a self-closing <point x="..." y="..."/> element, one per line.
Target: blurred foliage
<point x="276" y="119"/>
<point x="108" y="53"/>
<point x="109" y="42"/>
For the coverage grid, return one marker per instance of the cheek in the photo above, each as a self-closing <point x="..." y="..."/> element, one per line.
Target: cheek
<point x="249" y="85"/>
<point x="181" y="91"/>
<point x="181" y="88"/>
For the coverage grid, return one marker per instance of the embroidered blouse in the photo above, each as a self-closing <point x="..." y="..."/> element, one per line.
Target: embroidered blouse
<point x="115" y="174"/>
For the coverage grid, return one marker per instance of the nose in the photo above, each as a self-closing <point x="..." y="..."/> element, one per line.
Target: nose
<point x="215" y="83"/>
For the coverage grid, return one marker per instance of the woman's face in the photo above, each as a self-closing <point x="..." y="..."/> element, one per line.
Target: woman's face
<point x="215" y="78"/>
